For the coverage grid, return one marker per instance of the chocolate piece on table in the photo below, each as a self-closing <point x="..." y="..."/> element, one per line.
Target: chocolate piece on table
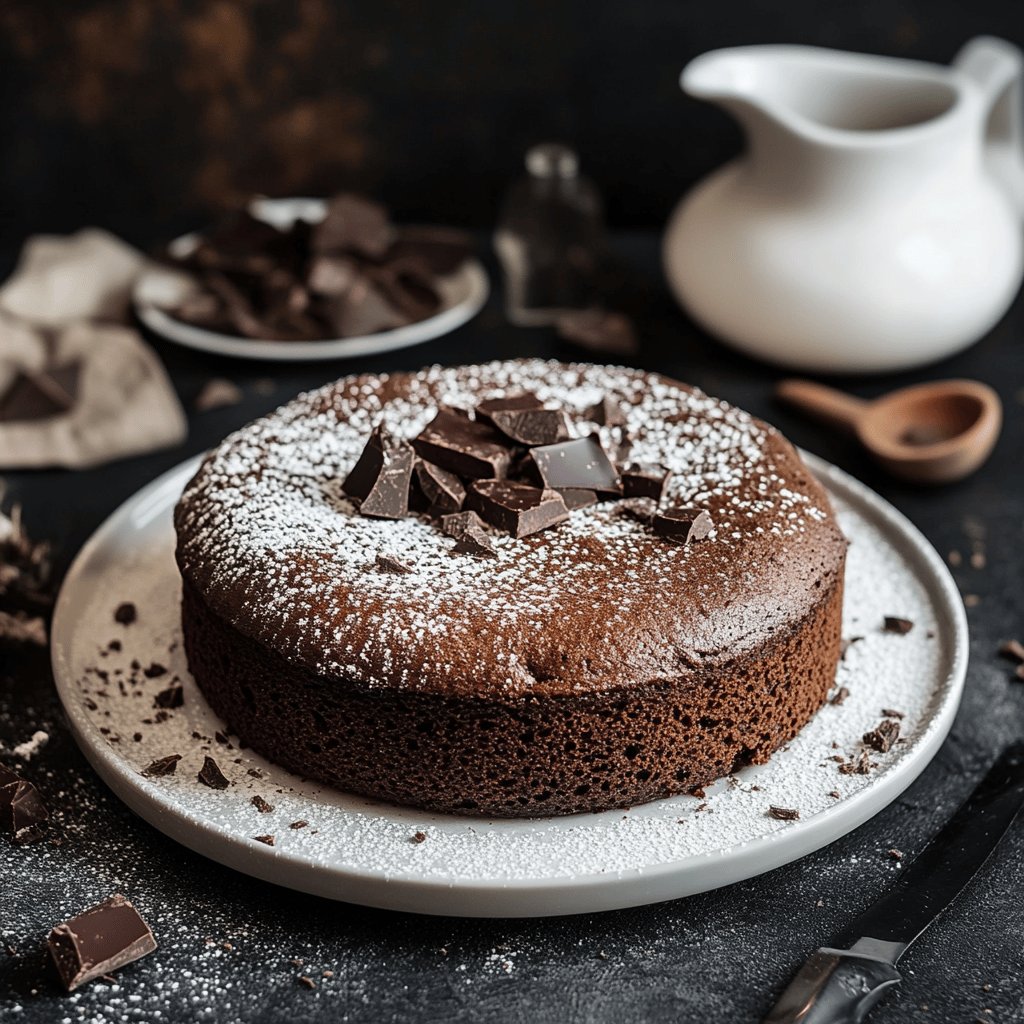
<point x="381" y="476"/>
<point x="172" y="697"/>
<point x="354" y="224"/>
<point x="516" y="508"/>
<point x="22" y="810"/>
<point x="466" y="447"/>
<point x="578" y="497"/>
<point x="521" y="400"/>
<point x="211" y="775"/>
<point x="40" y="395"/>
<point x="162" y="766"/>
<point x="102" y="939"/>
<point x="606" y="413"/>
<point x="443" y="490"/>
<point x="599" y="331"/>
<point x="644" y="480"/>
<point x="388" y="563"/>
<point x="682" y="525"/>
<point x="532" y="426"/>
<point x="581" y="463"/>
<point x="894" y="624"/>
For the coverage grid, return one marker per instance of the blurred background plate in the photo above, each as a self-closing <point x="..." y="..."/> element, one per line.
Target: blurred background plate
<point x="463" y="294"/>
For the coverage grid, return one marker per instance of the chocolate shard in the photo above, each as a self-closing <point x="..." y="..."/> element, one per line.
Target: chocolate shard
<point x="582" y="463"/>
<point x="883" y="736"/>
<point x="40" y="395"/>
<point x="443" y="490"/>
<point x="644" y="480"/>
<point x="457" y="524"/>
<point x="682" y="525"/>
<point x="354" y="224"/>
<point x="894" y="624"/>
<point x="516" y="508"/>
<point x="578" y="497"/>
<point x="606" y="413"/>
<point x="388" y="563"/>
<point x="102" y="939"/>
<point x="162" y="766"/>
<point x="469" y="530"/>
<point x="532" y="426"/>
<point x="125" y="613"/>
<point x="463" y="446"/>
<point x="211" y="775"/>
<point x="261" y="805"/>
<point x="22" y="811"/>
<point x="172" y="697"/>
<point x="783" y="813"/>
<point x="519" y="402"/>
<point x="380" y="479"/>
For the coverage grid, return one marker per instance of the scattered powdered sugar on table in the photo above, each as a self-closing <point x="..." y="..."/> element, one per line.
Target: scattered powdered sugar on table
<point x="346" y="836"/>
<point x="281" y="553"/>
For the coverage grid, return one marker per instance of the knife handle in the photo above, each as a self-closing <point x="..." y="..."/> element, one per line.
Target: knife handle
<point x="834" y="986"/>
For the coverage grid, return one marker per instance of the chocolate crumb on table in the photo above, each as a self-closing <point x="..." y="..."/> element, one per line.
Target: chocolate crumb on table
<point x="895" y="624"/>
<point x="783" y="813"/>
<point x="101" y="939"/>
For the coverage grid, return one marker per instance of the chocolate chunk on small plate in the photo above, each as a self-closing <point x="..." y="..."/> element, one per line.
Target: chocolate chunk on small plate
<point x="895" y="624"/>
<point x="162" y="766"/>
<point x="211" y="775"/>
<point x="101" y="939"/>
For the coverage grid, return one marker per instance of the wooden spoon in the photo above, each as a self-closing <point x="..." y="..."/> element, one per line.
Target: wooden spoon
<point x="929" y="433"/>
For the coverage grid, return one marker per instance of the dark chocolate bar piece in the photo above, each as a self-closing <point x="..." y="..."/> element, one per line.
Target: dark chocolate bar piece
<point x="644" y="480"/>
<point x="101" y="939"/>
<point x="532" y="426"/>
<point x="22" y="811"/>
<point x="443" y="490"/>
<point x="582" y="463"/>
<point x="682" y="525"/>
<point x="463" y="446"/>
<point x="516" y="508"/>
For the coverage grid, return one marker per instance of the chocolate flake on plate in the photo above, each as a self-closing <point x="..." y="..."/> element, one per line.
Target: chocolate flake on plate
<point x="894" y="624"/>
<point x="211" y="775"/>
<point x="388" y="563"/>
<point x="125" y="613"/>
<point x="682" y="525"/>
<point x="172" y="697"/>
<point x="261" y="805"/>
<point x="644" y="480"/>
<point x="101" y="939"/>
<point x="162" y="766"/>
<point x="155" y="670"/>
<point x="895" y="854"/>
<point x="298" y="824"/>
<point x="883" y="736"/>
<point x="862" y="765"/>
<point x="580" y="463"/>
<point x="22" y="811"/>
<point x="419" y="837"/>
<point x="267" y="840"/>
<point x="463" y="446"/>
<point x="839" y="696"/>
<point x="890" y="713"/>
<point x="532" y="426"/>
<point x="783" y="813"/>
<point x="516" y="508"/>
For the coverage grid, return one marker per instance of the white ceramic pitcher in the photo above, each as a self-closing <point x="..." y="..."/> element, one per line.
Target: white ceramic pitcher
<point x="874" y="221"/>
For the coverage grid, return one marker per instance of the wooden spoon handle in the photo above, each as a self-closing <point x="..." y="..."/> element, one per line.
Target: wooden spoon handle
<point x="826" y="404"/>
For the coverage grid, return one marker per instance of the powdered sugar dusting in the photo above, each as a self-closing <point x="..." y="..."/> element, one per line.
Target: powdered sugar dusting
<point x="277" y="548"/>
<point x="356" y="849"/>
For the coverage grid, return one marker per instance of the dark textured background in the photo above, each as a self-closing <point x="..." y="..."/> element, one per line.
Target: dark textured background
<point x="141" y="114"/>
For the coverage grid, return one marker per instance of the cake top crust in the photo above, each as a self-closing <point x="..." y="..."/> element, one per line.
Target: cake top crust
<point x="268" y="538"/>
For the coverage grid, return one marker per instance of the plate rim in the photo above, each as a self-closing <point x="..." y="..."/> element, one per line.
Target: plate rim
<point x="554" y="896"/>
<point x="476" y="283"/>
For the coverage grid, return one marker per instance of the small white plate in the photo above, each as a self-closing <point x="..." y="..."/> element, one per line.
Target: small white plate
<point x="361" y="851"/>
<point x="463" y="294"/>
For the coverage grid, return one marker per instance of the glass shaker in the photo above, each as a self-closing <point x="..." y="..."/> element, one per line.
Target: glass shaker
<point x="550" y="238"/>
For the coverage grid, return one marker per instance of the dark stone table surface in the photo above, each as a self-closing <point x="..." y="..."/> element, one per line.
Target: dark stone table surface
<point x="227" y="942"/>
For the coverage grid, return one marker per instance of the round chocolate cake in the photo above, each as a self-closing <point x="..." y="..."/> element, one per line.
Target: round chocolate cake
<point x="520" y="588"/>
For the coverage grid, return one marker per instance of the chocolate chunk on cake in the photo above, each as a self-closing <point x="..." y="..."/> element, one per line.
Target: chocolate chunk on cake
<point x="569" y="657"/>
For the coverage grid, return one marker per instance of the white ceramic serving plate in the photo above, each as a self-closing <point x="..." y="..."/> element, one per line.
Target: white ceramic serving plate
<point x="361" y="851"/>
<point x="463" y="295"/>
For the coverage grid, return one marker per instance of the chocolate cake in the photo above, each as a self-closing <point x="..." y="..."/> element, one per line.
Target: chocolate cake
<point x="631" y="648"/>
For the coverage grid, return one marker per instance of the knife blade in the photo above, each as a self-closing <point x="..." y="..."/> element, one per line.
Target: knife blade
<point x="839" y="984"/>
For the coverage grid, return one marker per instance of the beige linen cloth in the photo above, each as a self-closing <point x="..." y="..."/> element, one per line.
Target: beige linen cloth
<point x="68" y="301"/>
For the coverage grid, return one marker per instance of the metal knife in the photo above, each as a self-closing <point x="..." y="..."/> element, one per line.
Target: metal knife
<point x="839" y="984"/>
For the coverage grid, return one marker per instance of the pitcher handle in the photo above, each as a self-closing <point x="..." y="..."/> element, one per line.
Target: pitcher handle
<point x="997" y="68"/>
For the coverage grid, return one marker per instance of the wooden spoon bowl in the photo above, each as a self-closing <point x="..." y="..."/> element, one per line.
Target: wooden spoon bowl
<point x="929" y="433"/>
